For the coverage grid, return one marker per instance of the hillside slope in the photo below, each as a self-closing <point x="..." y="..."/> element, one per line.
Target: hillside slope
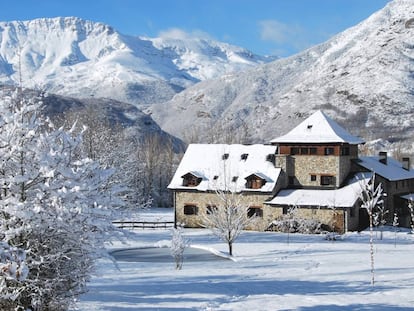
<point x="363" y="77"/>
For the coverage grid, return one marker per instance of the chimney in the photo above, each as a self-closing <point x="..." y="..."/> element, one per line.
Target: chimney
<point x="383" y="157"/>
<point x="406" y="163"/>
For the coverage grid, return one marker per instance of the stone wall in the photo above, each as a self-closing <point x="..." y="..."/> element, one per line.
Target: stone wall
<point x="305" y="166"/>
<point x="338" y="219"/>
<point x="204" y="199"/>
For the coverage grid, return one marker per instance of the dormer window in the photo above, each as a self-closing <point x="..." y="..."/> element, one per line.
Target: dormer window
<point x="244" y="156"/>
<point x="191" y="180"/>
<point x="254" y="182"/>
<point x="225" y="156"/>
<point x="271" y="158"/>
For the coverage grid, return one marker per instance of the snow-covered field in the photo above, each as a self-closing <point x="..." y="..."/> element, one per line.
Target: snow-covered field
<point x="270" y="271"/>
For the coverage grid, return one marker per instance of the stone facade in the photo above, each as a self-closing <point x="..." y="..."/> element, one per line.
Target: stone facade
<point x="207" y="199"/>
<point x="307" y="170"/>
<point x="339" y="219"/>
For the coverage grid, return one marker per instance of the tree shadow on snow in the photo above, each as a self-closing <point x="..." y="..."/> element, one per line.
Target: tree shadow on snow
<point x="193" y="291"/>
<point x="352" y="307"/>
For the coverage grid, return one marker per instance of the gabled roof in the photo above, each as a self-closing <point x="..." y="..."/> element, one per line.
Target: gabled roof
<point x="392" y="171"/>
<point x="318" y="128"/>
<point x="343" y="197"/>
<point x="194" y="173"/>
<point x="207" y="160"/>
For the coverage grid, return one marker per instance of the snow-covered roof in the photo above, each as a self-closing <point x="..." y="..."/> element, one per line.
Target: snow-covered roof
<point x="227" y="174"/>
<point x="408" y="197"/>
<point x="392" y="171"/>
<point x="318" y="128"/>
<point x="342" y="197"/>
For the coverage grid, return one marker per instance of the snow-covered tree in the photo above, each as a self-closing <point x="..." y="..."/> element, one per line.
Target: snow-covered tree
<point x="411" y="208"/>
<point x="56" y="206"/>
<point x="178" y="245"/>
<point x="379" y="218"/>
<point x="371" y="197"/>
<point x="395" y="225"/>
<point x="229" y="218"/>
<point x="13" y="270"/>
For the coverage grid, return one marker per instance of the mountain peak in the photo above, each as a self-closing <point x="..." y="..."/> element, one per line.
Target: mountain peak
<point x="80" y="58"/>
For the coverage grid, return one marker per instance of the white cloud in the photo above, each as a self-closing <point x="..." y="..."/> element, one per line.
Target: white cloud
<point x="285" y="36"/>
<point x="180" y="34"/>
<point x="275" y="31"/>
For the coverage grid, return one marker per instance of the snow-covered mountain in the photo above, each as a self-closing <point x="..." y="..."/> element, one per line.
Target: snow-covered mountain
<point x="75" y="57"/>
<point x="362" y="77"/>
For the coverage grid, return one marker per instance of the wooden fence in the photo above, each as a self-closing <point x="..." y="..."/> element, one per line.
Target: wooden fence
<point x="144" y="224"/>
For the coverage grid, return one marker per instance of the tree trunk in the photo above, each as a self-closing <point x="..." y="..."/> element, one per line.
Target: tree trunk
<point x="230" y="248"/>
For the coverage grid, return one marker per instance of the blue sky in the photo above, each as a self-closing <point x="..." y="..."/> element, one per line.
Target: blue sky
<point x="267" y="27"/>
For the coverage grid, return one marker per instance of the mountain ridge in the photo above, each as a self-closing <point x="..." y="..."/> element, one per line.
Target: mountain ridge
<point x="75" y="57"/>
<point x="363" y="77"/>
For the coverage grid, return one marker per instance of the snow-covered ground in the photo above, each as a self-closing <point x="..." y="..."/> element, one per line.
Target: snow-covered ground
<point x="271" y="271"/>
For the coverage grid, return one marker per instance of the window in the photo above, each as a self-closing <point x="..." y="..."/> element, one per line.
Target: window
<point x="345" y="151"/>
<point x="294" y="150"/>
<point x="313" y="150"/>
<point x="210" y="209"/>
<point x="304" y="150"/>
<point x="313" y="177"/>
<point x="244" y="156"/>
<point x="215" y="177"/>
<point x="190" y="180"/>
<point x="255" y="212"/>
<point x="225" y="156"/>
<point x="190" y="209"/>
<point x="329" y="150"/>
<point x="327" y="180"/>
<point x="285" y="210"/>
<point x="254" y="182"/>
<point x="234" y="179"/>
<point x="271" y="158"/>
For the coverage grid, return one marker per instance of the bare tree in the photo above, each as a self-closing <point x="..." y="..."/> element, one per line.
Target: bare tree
<point x="411" y="208"/>
<point x="178" y="245"/>
<point x="371" y="197"/>
<point x="395" y="225"/>
<point x="229" y="218"/>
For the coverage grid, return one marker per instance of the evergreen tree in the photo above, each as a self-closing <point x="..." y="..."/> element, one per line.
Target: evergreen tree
<point x="55" y="205"/>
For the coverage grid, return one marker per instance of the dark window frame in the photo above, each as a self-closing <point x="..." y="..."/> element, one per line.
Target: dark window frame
<point x="294" y="150"/>
<point x="255" y="212"/>
<point x="327" y="180"/>
<point x="190" y="209"/>
<point x="345" y="151"/>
